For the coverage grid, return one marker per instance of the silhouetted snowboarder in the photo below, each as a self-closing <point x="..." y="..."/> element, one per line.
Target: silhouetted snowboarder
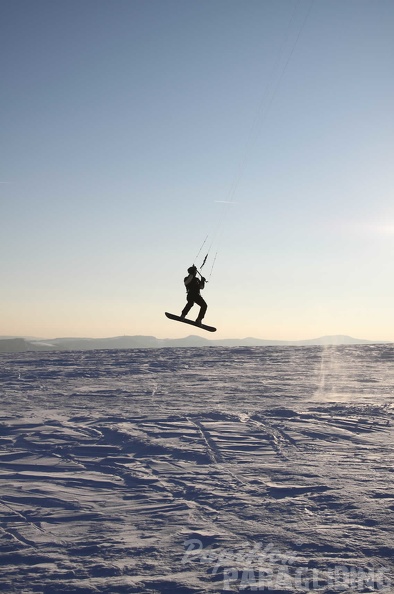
<point x="193" y="287"/>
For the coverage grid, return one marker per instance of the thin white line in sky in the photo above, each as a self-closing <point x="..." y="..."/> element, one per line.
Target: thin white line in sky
<point x="226" y="201"/>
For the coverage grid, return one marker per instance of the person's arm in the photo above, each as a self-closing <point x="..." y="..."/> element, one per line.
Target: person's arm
<point x="188" y="280"/>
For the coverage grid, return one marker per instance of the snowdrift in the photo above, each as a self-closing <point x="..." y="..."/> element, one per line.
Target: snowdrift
<point x="197" y="470"/>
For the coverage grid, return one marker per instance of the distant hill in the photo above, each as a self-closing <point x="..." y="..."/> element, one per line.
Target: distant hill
<point x="19" y="345"/>
<point x="13" y="345"/>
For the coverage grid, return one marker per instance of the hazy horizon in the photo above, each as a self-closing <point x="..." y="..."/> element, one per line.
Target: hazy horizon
<point x="129" y="126"/>
<point x="190" y="334"/>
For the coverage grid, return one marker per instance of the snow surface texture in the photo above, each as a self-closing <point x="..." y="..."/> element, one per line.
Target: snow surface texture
<point x="197" y="470"/>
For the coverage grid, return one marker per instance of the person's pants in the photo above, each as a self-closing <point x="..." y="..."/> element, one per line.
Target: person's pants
<point x="191" y="300"/>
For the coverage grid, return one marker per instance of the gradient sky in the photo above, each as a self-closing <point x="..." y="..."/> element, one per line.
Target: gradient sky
<point x="127" y="124"/>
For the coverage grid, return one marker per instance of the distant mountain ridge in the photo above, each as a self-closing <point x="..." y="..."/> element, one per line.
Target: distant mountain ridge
<point x="10" y="345"/>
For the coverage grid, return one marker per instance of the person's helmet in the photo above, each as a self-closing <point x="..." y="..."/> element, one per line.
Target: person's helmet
<point x="192" y="269"/>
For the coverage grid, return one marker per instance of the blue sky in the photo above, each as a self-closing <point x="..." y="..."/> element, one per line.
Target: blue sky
<point x="127" y="123"/>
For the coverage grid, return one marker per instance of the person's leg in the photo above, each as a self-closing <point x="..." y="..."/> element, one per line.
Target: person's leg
<point x="203" y="308"/>
<point x="187" y="308"/>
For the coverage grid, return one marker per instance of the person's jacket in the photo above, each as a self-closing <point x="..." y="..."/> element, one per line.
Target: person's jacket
<point x="193" y="285"/>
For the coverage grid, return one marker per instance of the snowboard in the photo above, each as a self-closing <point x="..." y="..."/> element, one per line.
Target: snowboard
<point x="185" y="321"/>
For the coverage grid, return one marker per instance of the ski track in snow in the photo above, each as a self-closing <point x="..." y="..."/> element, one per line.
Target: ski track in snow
<point x="110" y="461"/>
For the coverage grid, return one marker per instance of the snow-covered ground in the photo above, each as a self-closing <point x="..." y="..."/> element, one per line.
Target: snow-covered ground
<point x="198" y="470"/>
